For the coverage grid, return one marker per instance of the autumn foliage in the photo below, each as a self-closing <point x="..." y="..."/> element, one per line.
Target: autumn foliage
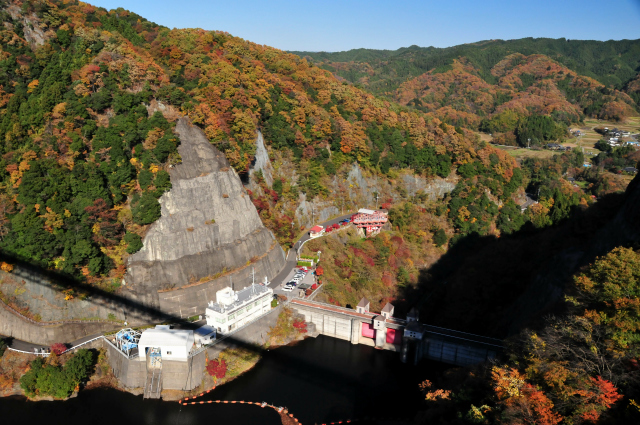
<point x="58" y="348"/>
<point x="217" y="368"/>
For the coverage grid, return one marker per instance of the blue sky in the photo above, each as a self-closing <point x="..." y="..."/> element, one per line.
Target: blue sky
<point x="335" y="25"/>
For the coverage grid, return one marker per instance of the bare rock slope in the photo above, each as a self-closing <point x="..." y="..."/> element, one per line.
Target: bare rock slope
<point x="209" y="227"/>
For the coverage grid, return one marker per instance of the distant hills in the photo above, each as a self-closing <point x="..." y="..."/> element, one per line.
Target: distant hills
<point x="474" y="84"/>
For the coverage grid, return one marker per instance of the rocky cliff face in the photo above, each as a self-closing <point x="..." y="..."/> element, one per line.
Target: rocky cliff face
<point x="208" y="227"/>
<point x="261" y="162"/>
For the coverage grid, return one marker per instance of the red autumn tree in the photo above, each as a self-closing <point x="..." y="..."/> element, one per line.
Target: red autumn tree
<point x="300" y="325"/>
<point x="58" y="348"/>
<point x="217" y="368"/>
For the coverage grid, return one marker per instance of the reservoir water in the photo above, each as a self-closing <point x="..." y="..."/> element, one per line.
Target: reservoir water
<point x="319" y="380"/>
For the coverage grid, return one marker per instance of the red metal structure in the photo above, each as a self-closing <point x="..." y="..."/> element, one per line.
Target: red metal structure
<point x="370" y="221"/>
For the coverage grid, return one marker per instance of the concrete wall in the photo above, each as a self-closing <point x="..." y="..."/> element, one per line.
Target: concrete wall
<point x="335" y="325"/>
<point x="192" y="300"/>
<point x="176" y="375"/>
<point x="14" y="326"/>
<point x="131" y="373"/>
<point x="180" y="375"/>
<point x="459" y="353"/>
<point x="30" y="288"/>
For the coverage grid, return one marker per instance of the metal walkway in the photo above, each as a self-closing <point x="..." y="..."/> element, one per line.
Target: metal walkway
<point x="153" y="387"/>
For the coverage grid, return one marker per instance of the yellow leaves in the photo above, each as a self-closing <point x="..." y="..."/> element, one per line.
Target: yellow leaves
<point x="59" y="111"/>
<point x="52" y="220"/>
<point x="286" y="116"/>
<point x="507" y="382"/>
<point x="81" y="90"/>
<point x="300" y="117"/>
<point x="32" y="86"/>
<point x="154" y="168"/>
<point x="463" y="214"/>
<point x="96" y="228"/>
<point x="133" y="161"/>
<point x="37" y="207"/>
<point x="58" y="262"/>
<point x="67" y="213"/>
<point x="68" y="294"/>
<point x="116" y="253"/>
<point x="243" y="125"/>
<point x="152" y="138"/>
<point x="6" y="267"/>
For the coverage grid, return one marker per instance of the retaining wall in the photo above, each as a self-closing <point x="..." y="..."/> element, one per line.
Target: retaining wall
<point x="183" y="375"/>
<point x="131" y="373"/>
<point x="192" y="300"/>
<point x="14" y="326"/>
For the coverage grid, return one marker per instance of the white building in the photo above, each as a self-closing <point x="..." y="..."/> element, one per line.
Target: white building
<point x="172" y="344"/>
<point x="204" y="335"/>
<point x="233" y="309"/>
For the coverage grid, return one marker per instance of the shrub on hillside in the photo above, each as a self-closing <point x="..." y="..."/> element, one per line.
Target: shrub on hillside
<point x="52" y="380"/>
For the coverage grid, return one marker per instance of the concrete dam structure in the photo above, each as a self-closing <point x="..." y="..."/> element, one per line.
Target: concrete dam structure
<point x="413" y="340"/>
<point x="209" y="234"/>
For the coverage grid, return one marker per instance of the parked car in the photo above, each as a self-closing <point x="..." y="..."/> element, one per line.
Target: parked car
<point x="297" y="279"/>
<point x="287" y="288"/>
<point x="292" y="283"/>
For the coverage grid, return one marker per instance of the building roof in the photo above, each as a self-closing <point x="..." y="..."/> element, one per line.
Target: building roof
<point x="366" y="211"/>
<point x="380" y="318"/>
<point x="166" y="338"/>
<point x="387" y="308"/>
<point x="316" y="229"/>
<point x="363" y="302"/>
<point x="242" y="297"/>
<point x="204" y="330"/>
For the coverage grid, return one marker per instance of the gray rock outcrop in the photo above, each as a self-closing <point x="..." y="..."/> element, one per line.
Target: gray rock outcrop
<point x="262" y="161"/>
<point x="208" y="227"/>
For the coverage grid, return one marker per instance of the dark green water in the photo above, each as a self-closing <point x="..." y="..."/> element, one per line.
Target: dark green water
<point x="318" y="380"/>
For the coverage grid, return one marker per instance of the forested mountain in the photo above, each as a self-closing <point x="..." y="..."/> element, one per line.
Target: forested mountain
<point x="88" y="103"/>
<point x="86" y="152"/>
<point x="490" y="85"/>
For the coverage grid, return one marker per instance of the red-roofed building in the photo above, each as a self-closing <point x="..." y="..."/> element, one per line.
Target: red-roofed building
<point x="369" y="221"/>
<point x="316" y="231"/>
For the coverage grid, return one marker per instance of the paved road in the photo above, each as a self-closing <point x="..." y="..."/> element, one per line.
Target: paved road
<point x="17" y="344"/>
<point x="287" y="272"/>
<point x="276" y="285"/>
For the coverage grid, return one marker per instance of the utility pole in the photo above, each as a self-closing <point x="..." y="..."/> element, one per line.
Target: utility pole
<point x="528" y="143"/>
<point x="377" y="196"/>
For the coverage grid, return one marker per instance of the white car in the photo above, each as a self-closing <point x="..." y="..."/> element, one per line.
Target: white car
<point x="287" y="288"/>
<point x="297" y="279"/>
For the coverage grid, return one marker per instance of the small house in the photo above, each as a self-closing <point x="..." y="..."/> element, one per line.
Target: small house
<point x="379" y="322"/>
<point x="631" y="170"/>
<point x="363" y="306"/>
<point x="316" y="231"/>
<point x="387" y="311"/>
